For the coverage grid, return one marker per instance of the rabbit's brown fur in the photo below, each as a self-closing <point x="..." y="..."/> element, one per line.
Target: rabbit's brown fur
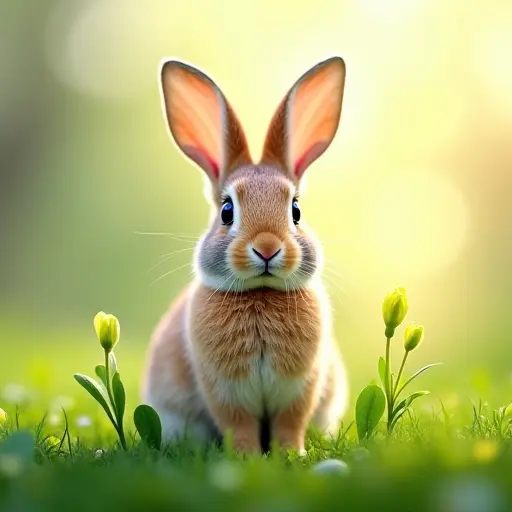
<point x="251" y="337"/>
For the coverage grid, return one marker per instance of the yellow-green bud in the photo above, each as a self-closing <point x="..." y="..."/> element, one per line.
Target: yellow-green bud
<point x="413" y="336"/>
<point x="52" y="442"/>
<point x="394" y="310"/>
<point x="107" y="329"/>
<point x="3" y="416"/>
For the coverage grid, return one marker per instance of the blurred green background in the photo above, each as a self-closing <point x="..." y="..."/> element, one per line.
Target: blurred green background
<point x="414" y="191"/>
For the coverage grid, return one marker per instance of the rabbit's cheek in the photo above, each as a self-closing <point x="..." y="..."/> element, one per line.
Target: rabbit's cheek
<point x="237" y="254"/>
<point x="291" y="259"/>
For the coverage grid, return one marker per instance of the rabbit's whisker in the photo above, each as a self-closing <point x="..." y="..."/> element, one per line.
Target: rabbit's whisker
<point x="179" y="238"/>
<point x="294" y="295"/>
<point x="227" y="291"/>
<point x="333" y="282"/>
<point x="287" y="294"/>
<point x="358" y="242"/>
<point x="229" y="274"/>
<point x="169" y="255"/>
<point x="170" y="272"/>
<point x="325" y="275"/>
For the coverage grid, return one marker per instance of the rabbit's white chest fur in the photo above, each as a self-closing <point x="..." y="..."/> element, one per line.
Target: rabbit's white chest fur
<point x="261" y="391"/>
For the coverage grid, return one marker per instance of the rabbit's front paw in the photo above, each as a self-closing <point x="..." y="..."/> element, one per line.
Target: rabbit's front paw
<point x="291" y="438"/>
<point x="246" y="441"/>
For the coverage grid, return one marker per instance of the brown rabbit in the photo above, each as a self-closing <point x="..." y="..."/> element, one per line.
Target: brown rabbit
<point x="249" y="343"/>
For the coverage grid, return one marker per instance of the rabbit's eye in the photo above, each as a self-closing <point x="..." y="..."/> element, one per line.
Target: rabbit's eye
<point x="295" y="212"/>
<point x="226" y="212"/>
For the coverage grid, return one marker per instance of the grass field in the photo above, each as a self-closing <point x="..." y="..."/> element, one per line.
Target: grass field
<point x="434" y="463"/>
<point x="451" y="455"/>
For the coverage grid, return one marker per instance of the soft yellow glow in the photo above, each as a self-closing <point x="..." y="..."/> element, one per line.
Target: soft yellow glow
<point x="109" y="49"/>
<point x="492" y="62"/>
<point x="391" y="11"/>
<point x="417" y="222"/>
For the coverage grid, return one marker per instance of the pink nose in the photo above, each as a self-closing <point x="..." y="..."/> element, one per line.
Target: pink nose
<point x="266" y="246"/>
<point x="265" y="256"/>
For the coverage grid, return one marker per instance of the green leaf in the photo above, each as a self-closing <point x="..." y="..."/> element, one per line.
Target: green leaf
<point x="148" y="425"/>
<point x="113" y="363"/>
<point x="370" y="407"/>
<point x="93" y="388"/>
<point x="119" y="397"/>
<point x="417" y="374"/>
<point x="20" y="444"/>
<point x="18" y="449"/>
<point x="508" y="411"/>
<point x="382" y="371"/>
<point x="398" y="416"/>
<point x="101" y="372"/>
<point x="406" y="402"/>
<point x="382" y="374"/>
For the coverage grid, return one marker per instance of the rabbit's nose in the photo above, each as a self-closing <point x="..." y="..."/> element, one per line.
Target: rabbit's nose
<point x="266" y="246"/>
<point x="265" y="257"/>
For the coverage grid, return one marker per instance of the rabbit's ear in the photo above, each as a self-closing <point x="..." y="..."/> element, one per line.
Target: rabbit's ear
<point x="307" y="119"/>
<point x="201" y="120"/>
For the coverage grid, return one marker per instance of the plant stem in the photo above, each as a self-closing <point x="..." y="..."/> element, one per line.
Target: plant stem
<point x="109" y="385"/>
<point x="388" y="370"/>
<point x="118" y="425"/>
<point x="388" y="389"/>
<point x="122" y="438"/>
<point x="394" y="392"/>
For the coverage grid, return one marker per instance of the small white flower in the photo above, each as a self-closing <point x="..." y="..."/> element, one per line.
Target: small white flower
<point x="225" y="476"/>
<point x="15" y="394"/>
<point x="54" y="419"/>
<point x="360" y="454"/>
<point x="10" y="465"/>
<point x="99" y="453"/>
<point x="468" y="495"/>
<point x="332" y="466"/>
<point x="83" y="421"/>
<point x="62" y="402"/>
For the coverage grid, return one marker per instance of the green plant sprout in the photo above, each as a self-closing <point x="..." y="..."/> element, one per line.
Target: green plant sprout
<point x="111" y="395"/>
<point x="373" y="399"/>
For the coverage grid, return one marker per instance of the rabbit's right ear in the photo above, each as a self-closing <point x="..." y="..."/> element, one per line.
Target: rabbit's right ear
<point x="307" y="119"/>
<point x="201" y="120"/>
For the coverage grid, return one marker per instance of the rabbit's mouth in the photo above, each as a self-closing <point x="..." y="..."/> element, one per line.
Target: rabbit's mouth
<point x="266" y="272"/>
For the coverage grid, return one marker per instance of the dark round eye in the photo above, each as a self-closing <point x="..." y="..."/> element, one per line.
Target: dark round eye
<point x="295" y="212"/>
<point x="226" y="212"/>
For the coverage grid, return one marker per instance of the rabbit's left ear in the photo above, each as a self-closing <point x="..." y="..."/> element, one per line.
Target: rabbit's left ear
<point x="202" y="122"/>
<point x="307" y="119"/>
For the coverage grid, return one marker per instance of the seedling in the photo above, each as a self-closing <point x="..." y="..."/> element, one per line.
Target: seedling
<point x="373" y="399"/>
<point x="111" y="395"/>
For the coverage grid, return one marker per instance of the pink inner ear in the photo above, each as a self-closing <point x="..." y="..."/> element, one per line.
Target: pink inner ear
<point x="309" y="157"/>
<point x="203" y="159"/>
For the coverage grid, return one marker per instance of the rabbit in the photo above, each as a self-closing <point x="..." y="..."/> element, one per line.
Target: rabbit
<point x="248" y="346"/>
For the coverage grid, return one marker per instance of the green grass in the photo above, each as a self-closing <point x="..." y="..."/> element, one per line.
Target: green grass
<point x="443" y="460"/>
<point x="452" y="453"/>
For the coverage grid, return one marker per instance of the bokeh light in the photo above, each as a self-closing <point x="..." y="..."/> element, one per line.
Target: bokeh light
<point x="108" y="49"/>
<point x="491" y="62"/>
<point x="418" y="223"/>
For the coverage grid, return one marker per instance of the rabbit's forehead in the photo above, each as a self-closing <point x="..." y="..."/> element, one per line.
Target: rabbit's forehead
<point x="258" y="187"/>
